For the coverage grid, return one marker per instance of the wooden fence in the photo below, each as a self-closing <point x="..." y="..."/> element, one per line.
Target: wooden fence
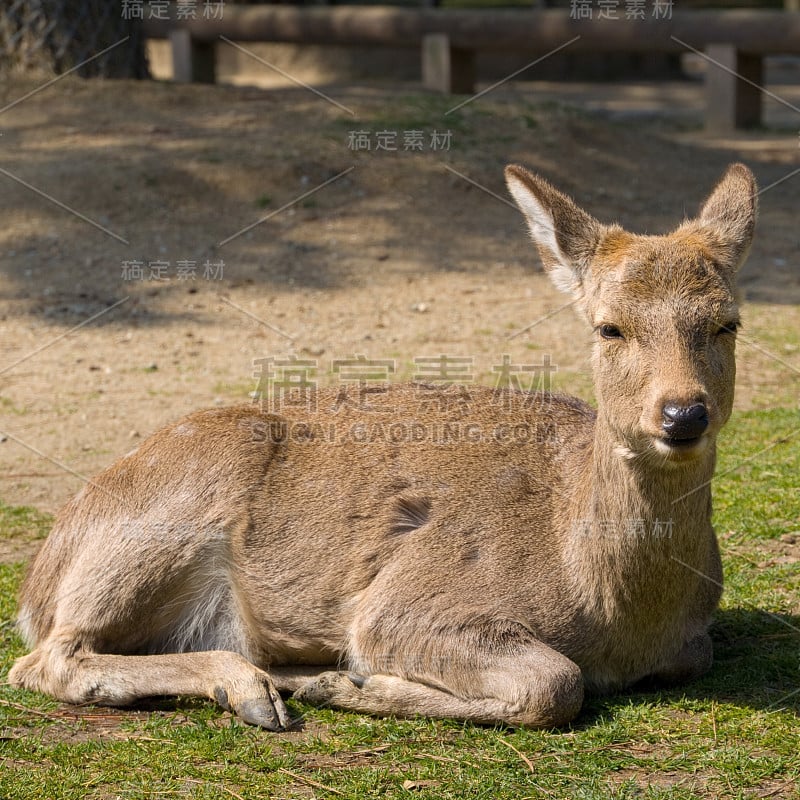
<point x="734" y="42"/>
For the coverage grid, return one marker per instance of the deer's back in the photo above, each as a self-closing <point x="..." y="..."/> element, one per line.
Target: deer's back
<point x="311" y="505"/>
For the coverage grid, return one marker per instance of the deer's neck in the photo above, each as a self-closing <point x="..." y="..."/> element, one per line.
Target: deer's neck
<point x="636" y="517"/>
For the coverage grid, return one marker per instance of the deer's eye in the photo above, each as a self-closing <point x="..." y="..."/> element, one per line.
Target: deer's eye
<point x="610" y="332"/>
<point x="728" y="328"/>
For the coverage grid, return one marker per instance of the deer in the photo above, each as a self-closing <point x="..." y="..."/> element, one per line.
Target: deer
<point x="489" y="556"/>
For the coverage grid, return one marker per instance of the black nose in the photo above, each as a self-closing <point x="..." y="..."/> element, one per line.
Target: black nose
<point x="684" y="422"/>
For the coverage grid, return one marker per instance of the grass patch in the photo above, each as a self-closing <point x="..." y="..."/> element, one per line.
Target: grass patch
<point x="732" y="734"/>
<point x="21" y="530"/>
<point x="23" y="521"/>
<point x="409" y="111"/>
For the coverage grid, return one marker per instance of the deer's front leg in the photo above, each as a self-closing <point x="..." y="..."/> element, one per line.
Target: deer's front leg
<point x="693" y="660"/>
<point x="535" y="686"/>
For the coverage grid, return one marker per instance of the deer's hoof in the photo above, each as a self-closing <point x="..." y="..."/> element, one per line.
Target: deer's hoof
<point x="330" y="689"/>
<point x="264" y="712"/>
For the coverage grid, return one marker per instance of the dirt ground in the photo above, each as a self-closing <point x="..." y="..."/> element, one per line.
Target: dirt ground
<point x="404" y="254"/>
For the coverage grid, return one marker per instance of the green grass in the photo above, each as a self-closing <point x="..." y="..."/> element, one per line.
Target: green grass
<point x="21" y="523"/>
<point x="409" y="111"/>
<point x="733" y="734"/>
<point x="8" y="407"/>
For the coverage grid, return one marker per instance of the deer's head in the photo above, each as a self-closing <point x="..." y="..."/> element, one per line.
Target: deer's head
<point x="663" y="310"/>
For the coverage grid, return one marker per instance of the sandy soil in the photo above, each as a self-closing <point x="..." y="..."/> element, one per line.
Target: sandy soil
<point x="407" y="254"/>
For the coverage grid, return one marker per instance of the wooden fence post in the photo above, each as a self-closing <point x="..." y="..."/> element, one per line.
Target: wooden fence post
<point x="192" y="61"/>
<point x="732" y="102"/>
<point x="445" y="68"/>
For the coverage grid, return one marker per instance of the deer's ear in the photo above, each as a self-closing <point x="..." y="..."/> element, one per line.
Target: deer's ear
<point x="730" y="213"/>
<point x="565" y="235"/>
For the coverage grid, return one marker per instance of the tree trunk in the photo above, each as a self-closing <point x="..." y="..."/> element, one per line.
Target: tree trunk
<point x="55" y="36"/>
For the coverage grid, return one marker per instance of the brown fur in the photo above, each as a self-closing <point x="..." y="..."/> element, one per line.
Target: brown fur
<point x="455" y="553"/>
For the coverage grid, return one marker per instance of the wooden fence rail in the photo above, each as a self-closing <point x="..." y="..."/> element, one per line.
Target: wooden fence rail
<point x="734" y="42"/>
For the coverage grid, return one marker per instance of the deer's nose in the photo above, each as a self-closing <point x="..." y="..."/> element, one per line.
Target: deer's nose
<point x="684" y="422"/>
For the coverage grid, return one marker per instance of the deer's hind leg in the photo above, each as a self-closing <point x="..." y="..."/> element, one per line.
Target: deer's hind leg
<point x="62" y="667"/>
<point x="147" y="618"/>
